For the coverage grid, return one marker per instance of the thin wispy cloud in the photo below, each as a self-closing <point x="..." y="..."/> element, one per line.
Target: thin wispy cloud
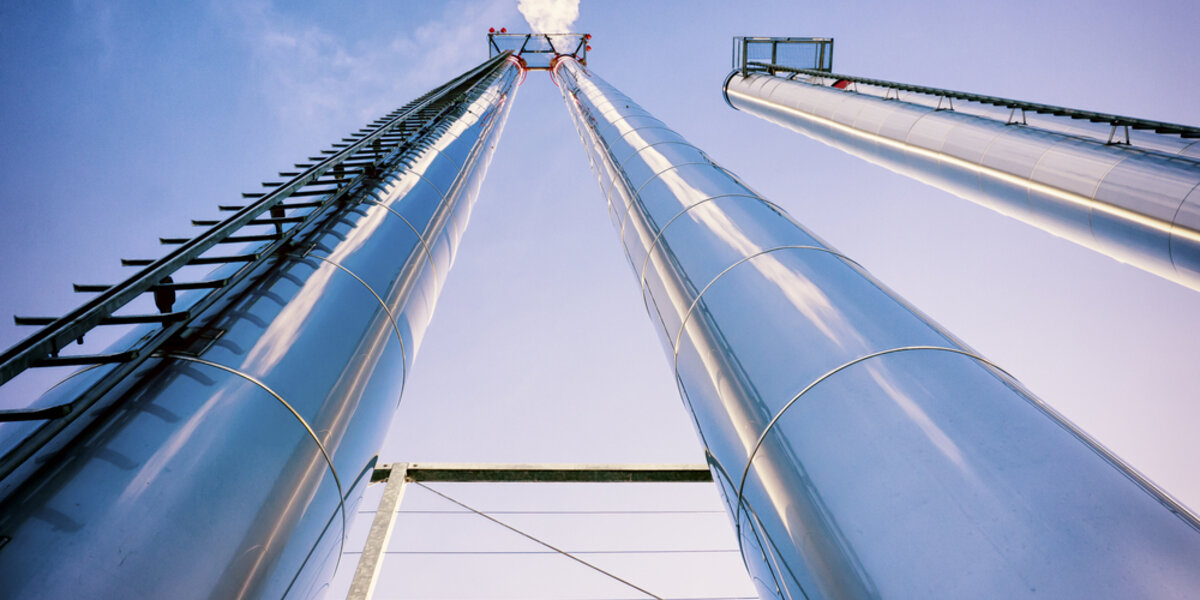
<point x="97" y="17"/>
<point x="307" y="73"/>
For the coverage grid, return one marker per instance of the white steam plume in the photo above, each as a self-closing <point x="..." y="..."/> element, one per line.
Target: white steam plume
<point x="549" y="16"/>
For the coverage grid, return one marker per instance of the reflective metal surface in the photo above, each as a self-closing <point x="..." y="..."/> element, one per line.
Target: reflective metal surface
<point x="863" y="452"/>
<point x="226" y="471"/>
<point x="1139" y="204"/>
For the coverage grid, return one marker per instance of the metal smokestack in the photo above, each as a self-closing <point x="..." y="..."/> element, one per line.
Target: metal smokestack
<point x="1139" y="204"/>
<point x="227" y="467"/>
<point x="862" y="451"/>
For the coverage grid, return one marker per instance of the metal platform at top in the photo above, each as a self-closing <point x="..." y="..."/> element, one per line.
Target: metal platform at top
<point x="797" y="52"/>
<point x="813" y="56"/>
<point x="538" y="50"/>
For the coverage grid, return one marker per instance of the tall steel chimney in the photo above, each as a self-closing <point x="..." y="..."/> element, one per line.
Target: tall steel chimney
<point x="862" y="451"/>
<point x="219" y="452"/>
<point x="1137" y="202"/>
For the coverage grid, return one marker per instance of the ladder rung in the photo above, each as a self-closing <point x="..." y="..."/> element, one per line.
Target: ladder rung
<point x="86" y="359"/>
<point x="267" y="221"/>
<point x="253" y="194"/>
<point x="35" y="414"/>
<point x="271" y="184"/>
<point x="211" y="284"/>
<point x="202" y="260"/>
<point x="285" y="206"/>
<point x="170" y="317"/>
<point x="300" y="205"/>
<point x="276" y="220"/>
<point x="312" y="193"/>
<point x="183" y="285"/>
<point x="233" y="239"/>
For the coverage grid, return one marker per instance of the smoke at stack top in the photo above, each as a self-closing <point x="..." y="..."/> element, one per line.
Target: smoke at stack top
<point x="228" y="466"/>
<point x="862" y="451"/>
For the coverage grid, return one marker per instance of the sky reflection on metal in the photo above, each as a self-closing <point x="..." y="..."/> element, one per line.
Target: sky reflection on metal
<point x="121" y="121"/>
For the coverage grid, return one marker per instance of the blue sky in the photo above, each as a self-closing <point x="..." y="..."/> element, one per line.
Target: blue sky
<point x="122" y="120"/>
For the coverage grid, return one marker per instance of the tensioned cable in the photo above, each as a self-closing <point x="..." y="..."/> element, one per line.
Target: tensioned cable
<point x="695" y="598"/>
<point x="531" y="538"/>
<point x="495" y="552"/>
<point x="559" y="512"/>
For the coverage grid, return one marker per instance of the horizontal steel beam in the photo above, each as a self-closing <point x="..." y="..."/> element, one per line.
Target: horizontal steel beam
<point x="1162" y="127"/>
<point x="549" y="472"/>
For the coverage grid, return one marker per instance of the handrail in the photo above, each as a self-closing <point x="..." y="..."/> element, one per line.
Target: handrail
<point x="1184" y="131"/>
<point x="43" y="345"/>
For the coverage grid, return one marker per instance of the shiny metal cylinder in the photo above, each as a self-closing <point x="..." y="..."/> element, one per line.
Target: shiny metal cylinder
<point x="863" y="452"/>
<point x="1139" y="204"/>
<point x="230" y="465"/>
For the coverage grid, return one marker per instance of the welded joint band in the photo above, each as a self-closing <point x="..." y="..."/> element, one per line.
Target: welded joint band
<point x="658" y="236"/>
<point x="626" y="117"/>
<point x="638" y="152"/>
<point x="1096" y="192"/>
<point x="1119" y="212"/>
<point x="637" y="129"/>
<point x="776" y="573"/>
<point x="620" y="168"/>
<point x="779" y="414"/>
<point x="743" y="260"/>
<point x="1090" y="202"/>
<point x="65" y="407"/>
<point x="304" y="423"/>
<point x="616" y="108"/>
<point x="621" y="163"/>
<point x="386" y="310"/>
<point x="1175" y="225"/>
<point x="445" y="201"/>
<point x="1029" y="182"/>
<point x="721" y="474"/>
<point x="408" y="170"/>
<point x="638" y="192"/>
<point x="612" y="106"/>
<point x="425" y="245"/>
<point x="725" y="88"/>
<point x="623" y="116"/>
<point x="446" y="134"/>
